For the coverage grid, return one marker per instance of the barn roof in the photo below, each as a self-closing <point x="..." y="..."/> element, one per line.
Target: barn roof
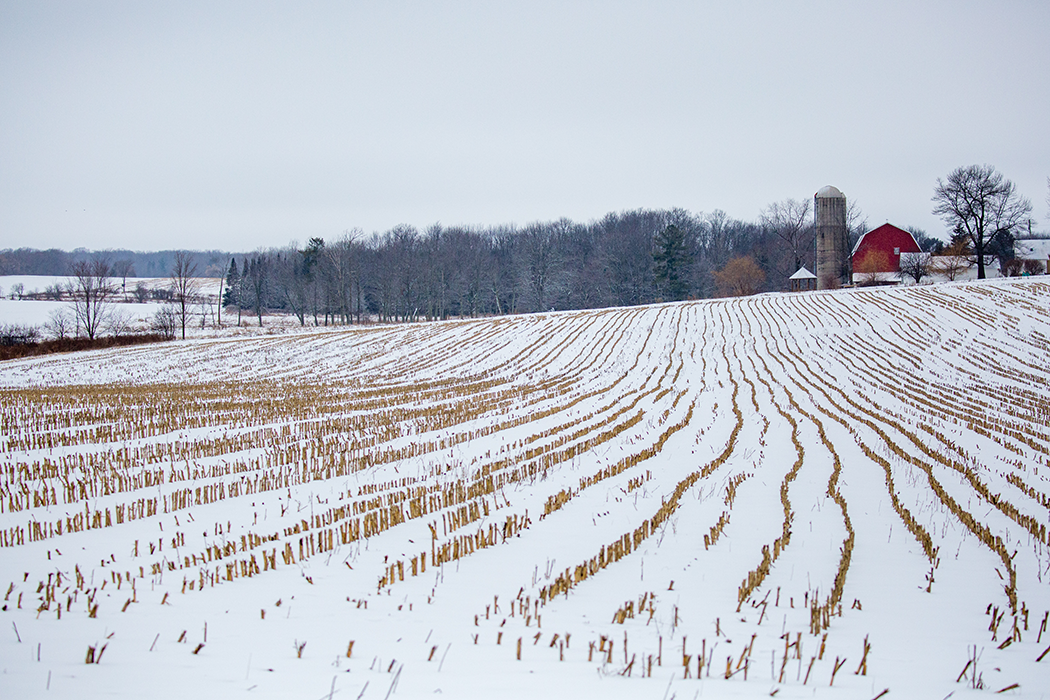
<point x="880" y="228"/>
<point x="803" y="274"/>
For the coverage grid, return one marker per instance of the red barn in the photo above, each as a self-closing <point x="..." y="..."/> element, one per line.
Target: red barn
<point x="879" y="250"/>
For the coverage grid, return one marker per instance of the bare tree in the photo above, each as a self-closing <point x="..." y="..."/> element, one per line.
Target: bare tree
<point x="978" y="202"/>
<point x="856" y="223"/>
<point x="438" y="272"/>
<point x="90" y="290"/>
<point x="915" y="266"/>
<point x="119" y="321"/>
<point x="343" y="277"/>
<point x="926" y="243"/>
<point x="790" y="222"/>
<point x="59" y="324"/>
<point x="505" y="278"/>
<point x="627" y="254"/>
<point x="256" y="275"/>
<point x="141" y="292"/>
<point x="204" y="310"/>
<point x="404" y="247"/>
<point x="231" y="266"/>
<point x="949" y="266"/>
<point x="184" y="286"/>
<point x="165" y="321"/>
<point x="291" y="277"/>
<point x="719" y="239"/>
<point x="123" y="269"/>
<point x="955" y="259"/>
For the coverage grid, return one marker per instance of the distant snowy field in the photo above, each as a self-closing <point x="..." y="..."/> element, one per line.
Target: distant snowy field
<point x="30" y="312"/>
<point x="37" y="312"/>
<point x="39" y="283"/>
<point x="833" y="494"/>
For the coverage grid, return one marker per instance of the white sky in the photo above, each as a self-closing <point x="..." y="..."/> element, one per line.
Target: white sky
<point x="240" y="125"/>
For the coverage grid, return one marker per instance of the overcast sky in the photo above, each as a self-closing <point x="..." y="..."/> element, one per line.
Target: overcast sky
<point x="239" y="125"/>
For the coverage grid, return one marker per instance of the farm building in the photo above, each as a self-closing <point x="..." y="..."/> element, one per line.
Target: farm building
<point x="829" y="218"/>
<point x="879" y="251"/>
<point x="1032" y="256"/>
<point x="802" y="281"/>
<point x="943" y="268"/>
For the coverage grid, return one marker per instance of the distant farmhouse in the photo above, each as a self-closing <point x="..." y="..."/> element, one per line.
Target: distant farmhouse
<point x="1031" y="256"/>
<point x="891" y="255"/>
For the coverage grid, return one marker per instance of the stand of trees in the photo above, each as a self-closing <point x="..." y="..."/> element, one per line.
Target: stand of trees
<point x="623" y="259"/>
<point x="125" y="263"/>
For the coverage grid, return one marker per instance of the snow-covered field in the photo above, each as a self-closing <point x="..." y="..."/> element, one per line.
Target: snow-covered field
<point x="38" y="284"/>
<point x="124" y="311"/>
<point x="831" y="494"/>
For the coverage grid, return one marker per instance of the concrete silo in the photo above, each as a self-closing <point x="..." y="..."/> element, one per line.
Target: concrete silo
<point x="833" y="260"/>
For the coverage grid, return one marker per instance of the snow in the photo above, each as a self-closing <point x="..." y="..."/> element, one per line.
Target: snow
<point x="803" y="274"/>
<point x="964" y="268"/>
<point x="33" y="284"/>
<point x="30" y="311"/>
<point x="37" y="312"/>
<point x="1032" y="249"/>
<point x="645" y="429"/>
<point x="830" y="192"/>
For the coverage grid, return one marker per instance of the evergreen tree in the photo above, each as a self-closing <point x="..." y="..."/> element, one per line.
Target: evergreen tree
<point x="671" y="260"/>
<point x="233" y="279"/>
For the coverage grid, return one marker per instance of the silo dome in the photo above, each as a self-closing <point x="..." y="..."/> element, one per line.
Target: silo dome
<point x="829" y="192"/>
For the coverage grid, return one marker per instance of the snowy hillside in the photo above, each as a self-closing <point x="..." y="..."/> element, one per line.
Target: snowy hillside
<point x="831" y="494"/>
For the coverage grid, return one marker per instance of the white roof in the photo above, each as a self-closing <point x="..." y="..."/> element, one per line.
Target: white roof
<point x="829" y="192"/>
<point x="856" y="246"/>
<point x="803" y="274"/>
<point x="1033" y="249"/>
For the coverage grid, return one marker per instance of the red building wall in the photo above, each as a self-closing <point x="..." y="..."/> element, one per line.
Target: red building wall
<point x="887" y="239"/>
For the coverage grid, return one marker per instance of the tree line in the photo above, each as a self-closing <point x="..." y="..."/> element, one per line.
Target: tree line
<point x="403" y="274"/>
<point x="624" y="259"/>
<point x="57" y="263"/>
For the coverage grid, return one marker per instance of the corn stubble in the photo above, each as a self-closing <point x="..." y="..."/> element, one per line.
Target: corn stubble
<point x="121" y="457"/>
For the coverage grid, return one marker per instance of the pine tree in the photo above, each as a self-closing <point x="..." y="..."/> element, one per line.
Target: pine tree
<point x="671" y="259"/>
<point x="233" y="278"/>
